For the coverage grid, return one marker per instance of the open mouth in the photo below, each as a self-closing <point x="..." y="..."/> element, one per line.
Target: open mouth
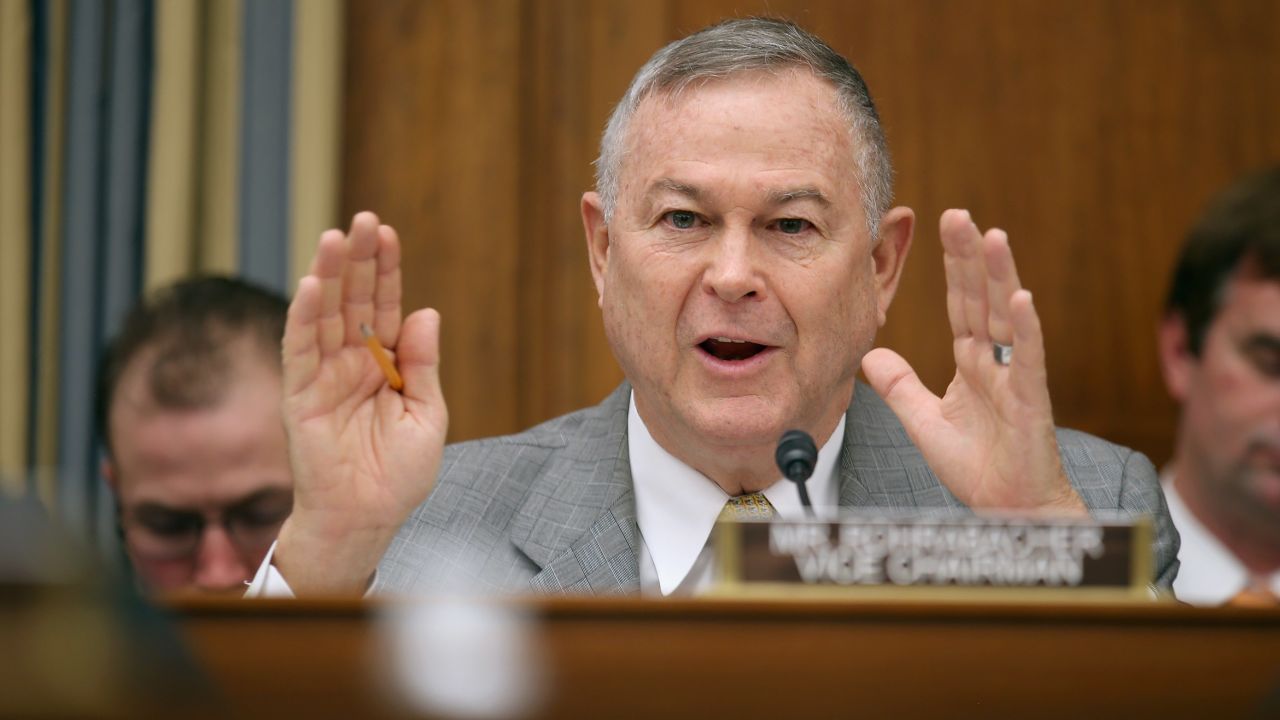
<point x="730" y="350"/>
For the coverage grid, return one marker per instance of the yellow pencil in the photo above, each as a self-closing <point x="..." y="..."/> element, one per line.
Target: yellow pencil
<point x="384" y="360"/>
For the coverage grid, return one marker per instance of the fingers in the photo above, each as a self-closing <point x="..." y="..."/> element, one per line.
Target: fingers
<point x="1029" y="378"/>
<point x="354" y="280"/>
<point x="358" y="281"/>
<point x="899" y="386"/>
<point x="330" y="261"/>
<point x="360" y="276"/>
<point x="955" y="297"/>
<point x="966" y="275"/>
<point x="386" y="301"/>
<point x="1002" y="283"/>
<point x="418" y="355"/>
<point x="300" y="350"/>
<point x="981" y="279"/>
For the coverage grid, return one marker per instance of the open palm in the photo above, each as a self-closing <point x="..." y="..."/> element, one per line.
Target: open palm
<point x="363" y="455"/>
<point x="990" y="438"/>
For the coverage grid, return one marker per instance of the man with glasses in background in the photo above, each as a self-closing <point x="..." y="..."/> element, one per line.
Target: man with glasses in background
<point x="188" y="403"/>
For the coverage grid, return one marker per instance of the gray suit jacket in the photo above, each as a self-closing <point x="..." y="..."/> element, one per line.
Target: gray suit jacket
<point x="552" y="509"/>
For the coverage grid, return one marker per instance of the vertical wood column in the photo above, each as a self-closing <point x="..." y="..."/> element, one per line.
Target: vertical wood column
<point x="580" y="56"/>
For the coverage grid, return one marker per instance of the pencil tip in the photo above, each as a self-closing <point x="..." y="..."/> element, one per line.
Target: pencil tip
<point x="365" y="330"/>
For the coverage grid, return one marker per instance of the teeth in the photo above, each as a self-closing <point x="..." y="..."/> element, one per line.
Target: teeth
<point x="725" y="339"/>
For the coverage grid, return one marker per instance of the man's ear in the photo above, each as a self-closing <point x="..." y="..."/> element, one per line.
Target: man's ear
<point x="889" y="255"/>
<point x="1176" y="360"/>
<point x="597" y="231"/>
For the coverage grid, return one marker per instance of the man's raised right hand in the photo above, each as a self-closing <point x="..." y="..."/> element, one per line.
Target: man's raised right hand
<point x="363" y="455"/>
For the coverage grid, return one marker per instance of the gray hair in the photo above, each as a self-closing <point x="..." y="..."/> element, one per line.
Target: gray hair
<point x="742" y="45"/>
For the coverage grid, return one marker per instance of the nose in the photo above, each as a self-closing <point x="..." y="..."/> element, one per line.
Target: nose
<point x="733" y="273"/>
<point x="219" y="567"/>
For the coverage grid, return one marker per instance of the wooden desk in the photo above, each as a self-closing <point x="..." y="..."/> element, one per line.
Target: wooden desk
<point x="634" y="658"/>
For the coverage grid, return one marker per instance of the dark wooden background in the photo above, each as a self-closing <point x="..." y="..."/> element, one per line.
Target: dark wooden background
<point x="1092" y="130"/>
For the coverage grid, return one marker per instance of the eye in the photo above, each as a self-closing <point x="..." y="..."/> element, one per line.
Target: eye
<point x="1266" y="360"/>
<point x="792" y="226"/>
<point x="682" y="219"/>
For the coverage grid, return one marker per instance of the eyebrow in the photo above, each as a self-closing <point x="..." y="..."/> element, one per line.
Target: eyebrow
<point x="669" y="185"/>
<point x="1262" y="341"/>
<point x="152" y="507"/>
<point x="777" y="197"/>
<point x="783" y="197"/>
<point x="157" y="510"/>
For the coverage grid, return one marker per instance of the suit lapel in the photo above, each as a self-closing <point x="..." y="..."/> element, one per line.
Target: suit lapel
<point x="879" y="465"/>
<point x="602" y="561"/>
<point x="579" y="526"/>
<point x="591" y="544"/>
<point x="853" y="492"/>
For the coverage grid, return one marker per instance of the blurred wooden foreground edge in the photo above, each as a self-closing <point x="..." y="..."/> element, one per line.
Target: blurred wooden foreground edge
<point x="725" y="658"/>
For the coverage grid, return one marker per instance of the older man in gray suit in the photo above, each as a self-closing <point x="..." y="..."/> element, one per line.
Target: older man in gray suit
<point x="745" y="252"/>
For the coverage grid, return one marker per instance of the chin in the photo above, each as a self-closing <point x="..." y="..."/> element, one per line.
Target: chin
<point x="1263" y="490"/>
<point x="750" y="420"/>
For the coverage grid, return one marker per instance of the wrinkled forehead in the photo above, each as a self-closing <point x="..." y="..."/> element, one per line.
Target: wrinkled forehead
<point x="770" y="88"/>
<point x="787" y="120"/>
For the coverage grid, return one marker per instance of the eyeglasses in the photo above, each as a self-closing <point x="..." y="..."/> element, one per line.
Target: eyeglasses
<point x="160" y="533"/>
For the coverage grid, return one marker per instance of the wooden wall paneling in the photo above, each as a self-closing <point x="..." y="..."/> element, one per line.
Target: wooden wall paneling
<point x="579" y="57"/>
<point x="432" y="141"/>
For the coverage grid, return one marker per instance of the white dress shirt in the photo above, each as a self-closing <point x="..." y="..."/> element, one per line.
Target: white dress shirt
<point x="1209" y="573"/>
<point x="676" y="508"/>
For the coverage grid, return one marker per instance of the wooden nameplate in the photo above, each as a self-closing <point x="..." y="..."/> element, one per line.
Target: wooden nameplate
<point x="978" y="557"/>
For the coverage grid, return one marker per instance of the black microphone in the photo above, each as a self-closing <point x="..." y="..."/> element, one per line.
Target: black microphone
<point x="796" y="457"/>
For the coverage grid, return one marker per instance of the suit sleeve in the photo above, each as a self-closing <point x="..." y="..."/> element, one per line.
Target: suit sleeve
<point x="1140" y="492"/>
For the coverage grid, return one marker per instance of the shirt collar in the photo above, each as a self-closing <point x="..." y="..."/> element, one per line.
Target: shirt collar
<point x="677" y="506"/>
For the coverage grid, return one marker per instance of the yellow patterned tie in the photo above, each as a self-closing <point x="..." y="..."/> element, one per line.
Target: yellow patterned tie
<point x="752" y="506"/>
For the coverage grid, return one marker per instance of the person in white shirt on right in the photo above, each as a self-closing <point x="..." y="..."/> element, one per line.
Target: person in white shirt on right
<point x="1220" y="353"/>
